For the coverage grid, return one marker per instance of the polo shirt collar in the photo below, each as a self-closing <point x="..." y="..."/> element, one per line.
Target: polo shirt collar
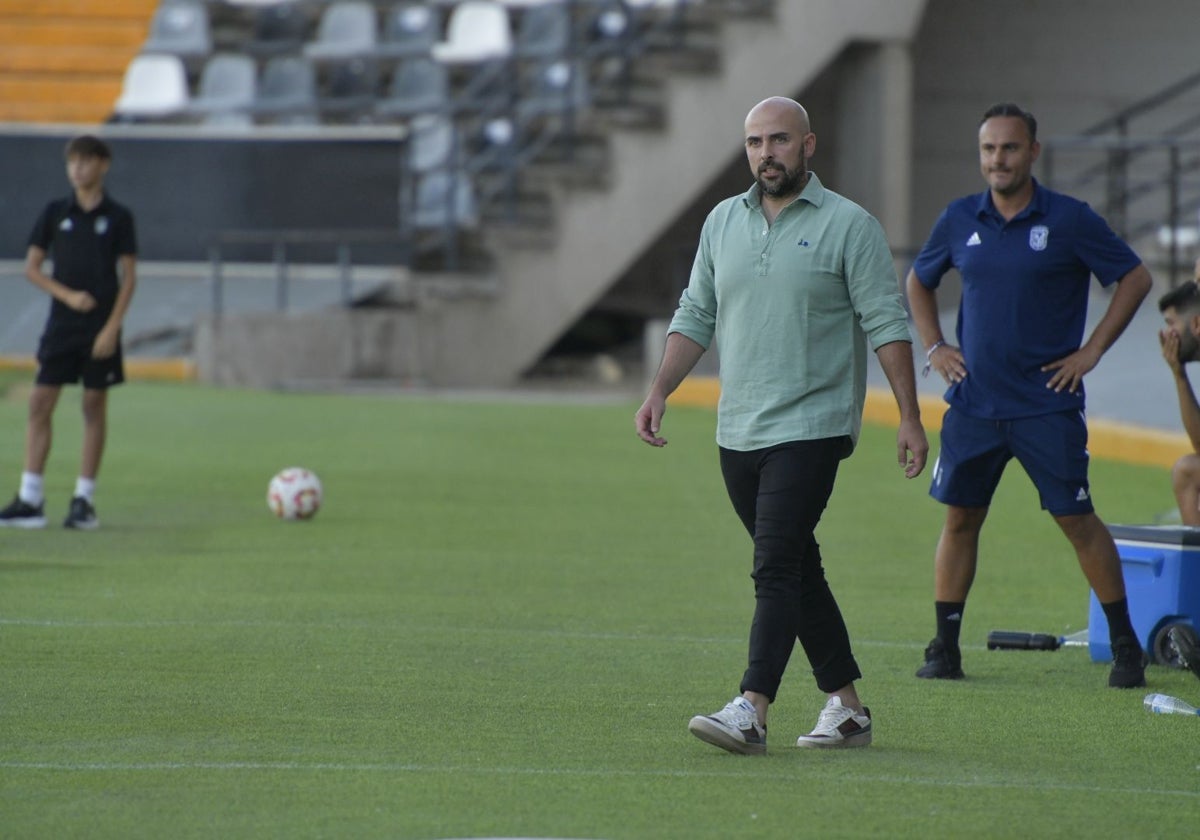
<point x="75" y="205"/>
<point x="813" y="193"/>
<point x="1036" y="206"/>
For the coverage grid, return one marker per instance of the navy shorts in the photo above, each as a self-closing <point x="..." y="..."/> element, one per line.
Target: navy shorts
<point x="1052" y="448"/>
<point x="65" y="363"/>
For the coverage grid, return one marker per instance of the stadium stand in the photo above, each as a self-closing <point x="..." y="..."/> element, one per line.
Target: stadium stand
<point x="155" y="88"/>
<point x="227" y="90"/>
<point x="180" y="28"/>
<point x="418" y="85"/>
<point x="350" y="92"/>
<point x="410" y="30"/>
<point x="477" y="31"/>
<point x="544" y="32"/>
<point x="433" y="143"/>
<point x="64" y="60"/>
<point x="445" y="203"/>
<point x="277" y="27"/>
<point x="287" y="92"/>
<point x="348" y="29"/>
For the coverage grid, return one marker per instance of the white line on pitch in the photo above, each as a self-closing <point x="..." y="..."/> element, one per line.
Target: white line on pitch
<point x="326" y="767"/>
<point x="334" y="625"/>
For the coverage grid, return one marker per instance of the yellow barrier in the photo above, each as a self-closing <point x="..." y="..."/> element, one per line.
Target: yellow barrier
<point x="1106" y="438"/>
<point x="168" y="369"/>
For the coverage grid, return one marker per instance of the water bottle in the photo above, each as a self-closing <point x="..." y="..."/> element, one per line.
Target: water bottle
<point x="1165" y="704"/>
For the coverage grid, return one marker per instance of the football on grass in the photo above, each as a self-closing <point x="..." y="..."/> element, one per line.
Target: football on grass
<point x="294" y="493"/>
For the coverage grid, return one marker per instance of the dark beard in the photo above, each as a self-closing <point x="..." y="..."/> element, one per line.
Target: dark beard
<point x="1189" y="347"/>
<point x="791" y="183"/>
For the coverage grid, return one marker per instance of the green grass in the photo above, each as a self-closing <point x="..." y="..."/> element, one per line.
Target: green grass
<point x="499" y="625"/>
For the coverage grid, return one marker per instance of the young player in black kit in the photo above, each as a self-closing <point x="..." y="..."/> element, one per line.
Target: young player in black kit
<point x="91" y="240"/>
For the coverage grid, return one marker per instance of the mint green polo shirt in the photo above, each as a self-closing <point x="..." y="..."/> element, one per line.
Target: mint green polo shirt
<point x="791" y="306"/>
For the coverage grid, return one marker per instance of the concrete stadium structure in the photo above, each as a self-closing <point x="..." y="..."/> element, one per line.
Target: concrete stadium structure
<point x="894" y="87"/>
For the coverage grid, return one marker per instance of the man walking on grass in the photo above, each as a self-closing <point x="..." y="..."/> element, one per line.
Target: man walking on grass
<point x="792" y="280"/>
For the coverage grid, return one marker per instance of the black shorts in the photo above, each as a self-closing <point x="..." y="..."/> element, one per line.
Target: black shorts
<point x="67" y="362"/>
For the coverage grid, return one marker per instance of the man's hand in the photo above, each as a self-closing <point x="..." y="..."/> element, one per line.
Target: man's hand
<point x="105" y="344"/>
<point x="79" y="300"/>
<point x="1169" y="340"/>
<point x="948" y="361"/>
<point x="912" y="448"/>
<point x="1069" y="371"/>
<point x="648" y="420"/>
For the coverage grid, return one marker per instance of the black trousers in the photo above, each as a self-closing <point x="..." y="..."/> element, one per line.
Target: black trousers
<point x="780" y="493"/>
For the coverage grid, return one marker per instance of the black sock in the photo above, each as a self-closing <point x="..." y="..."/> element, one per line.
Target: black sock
<point x="949" y="621"/>
<point x="1119" y="623"/>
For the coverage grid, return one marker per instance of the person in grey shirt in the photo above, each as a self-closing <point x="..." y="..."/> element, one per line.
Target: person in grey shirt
<point x="791" y="279"/>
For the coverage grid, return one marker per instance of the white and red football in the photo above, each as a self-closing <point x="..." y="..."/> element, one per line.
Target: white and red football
<point x="294" y="493"/>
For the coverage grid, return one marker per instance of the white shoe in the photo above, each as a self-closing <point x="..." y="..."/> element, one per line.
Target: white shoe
<point x="734" y="728"/>
<point x="839" y="726"/>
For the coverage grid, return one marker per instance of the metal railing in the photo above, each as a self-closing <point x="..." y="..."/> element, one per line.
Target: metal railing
<point x="1148" y="184"/>
<point x="282" y="241"/>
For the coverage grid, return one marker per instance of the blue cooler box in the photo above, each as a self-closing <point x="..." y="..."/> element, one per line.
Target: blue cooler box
<point x="1161" y="565"/>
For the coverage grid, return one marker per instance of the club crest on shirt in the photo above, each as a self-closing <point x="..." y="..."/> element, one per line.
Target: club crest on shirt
<point x="102" y="227"/>
<point x="1038" y="235"/>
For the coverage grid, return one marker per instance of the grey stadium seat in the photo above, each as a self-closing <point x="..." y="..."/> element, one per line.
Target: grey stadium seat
<point x="180" y="28"/>
<point x="418" y="86"/>
<point x="348" y="28"/>
<point x="228" y="83"/>
<point x="410" y="30"/>
<point x="287" y="91"/>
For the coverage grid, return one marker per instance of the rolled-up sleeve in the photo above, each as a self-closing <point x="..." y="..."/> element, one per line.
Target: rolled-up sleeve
<point x="696" y="316"/>
<point x="874" y="289"/>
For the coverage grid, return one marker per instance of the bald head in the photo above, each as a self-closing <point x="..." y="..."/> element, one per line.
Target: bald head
<point x="778" y="146"/>
<point x="783" y="109"/>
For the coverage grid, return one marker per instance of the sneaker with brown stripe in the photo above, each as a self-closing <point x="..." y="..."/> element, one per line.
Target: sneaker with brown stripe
<point x="735" y="728"/>
<point x="838" y="727"/>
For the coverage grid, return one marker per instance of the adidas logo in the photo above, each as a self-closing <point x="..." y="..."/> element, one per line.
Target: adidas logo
<point x="1082" y="495"/>
<point x="974" y="240"/>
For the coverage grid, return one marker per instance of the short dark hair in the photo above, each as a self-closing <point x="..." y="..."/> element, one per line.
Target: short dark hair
<point x="1009" y="109"/>
<point x="1183" y="298"/>
<point x="88" y="145"/>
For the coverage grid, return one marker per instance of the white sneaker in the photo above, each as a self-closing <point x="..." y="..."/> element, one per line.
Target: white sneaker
<point x="839" y="726"/>
<point x="734" y="728"/>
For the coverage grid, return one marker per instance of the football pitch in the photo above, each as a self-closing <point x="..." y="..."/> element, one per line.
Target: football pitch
<point x="499" y="625"/>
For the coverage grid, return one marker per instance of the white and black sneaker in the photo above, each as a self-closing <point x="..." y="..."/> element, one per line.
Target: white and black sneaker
<point x="81" y="515"/>
<point x="21" y="514"/>
<point x="839" y="726"/>
<point x="734" y="728"/>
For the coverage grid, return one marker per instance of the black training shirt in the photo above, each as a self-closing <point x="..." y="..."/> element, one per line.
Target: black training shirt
<point x="85" y="247"/>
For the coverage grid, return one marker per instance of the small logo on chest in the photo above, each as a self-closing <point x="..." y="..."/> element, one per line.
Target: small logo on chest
<point x="1038" y="236"/>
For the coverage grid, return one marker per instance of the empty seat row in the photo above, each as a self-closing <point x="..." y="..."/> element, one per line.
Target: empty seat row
<point x="474" y="30"/>
<point x="231" y="89"/>
<point x="451" y="30"/>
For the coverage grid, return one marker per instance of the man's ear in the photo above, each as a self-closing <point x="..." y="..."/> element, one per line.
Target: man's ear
<point x="1193" y="324"/>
